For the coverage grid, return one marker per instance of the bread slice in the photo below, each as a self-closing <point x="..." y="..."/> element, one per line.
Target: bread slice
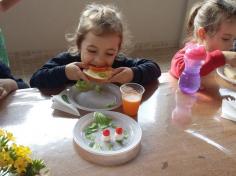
<point x="230" y="72"/>
<point x="98" y="75"/>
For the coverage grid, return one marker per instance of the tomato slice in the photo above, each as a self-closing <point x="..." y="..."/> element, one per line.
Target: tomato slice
<point x="106" y="132"/>
<point x="119" y="130"/>
<point x="98" y="69"/>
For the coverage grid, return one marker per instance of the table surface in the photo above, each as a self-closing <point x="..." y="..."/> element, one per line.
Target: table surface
<point x="182" y="134"/>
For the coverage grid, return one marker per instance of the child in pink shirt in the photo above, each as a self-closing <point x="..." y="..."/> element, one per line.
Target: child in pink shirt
<point x="212" y="24"/>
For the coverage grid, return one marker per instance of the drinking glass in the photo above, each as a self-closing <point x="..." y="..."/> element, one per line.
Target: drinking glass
<point x="131" y="97"/>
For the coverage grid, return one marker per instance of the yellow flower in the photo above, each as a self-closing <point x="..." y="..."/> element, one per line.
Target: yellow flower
<point x="16" y="158"/>
<point x="21" y="150"/>
<point x="20" y="165"/>
<point x="6" y="159"/>
<point x="2" y="132"/>
<point x="10" y="136"/>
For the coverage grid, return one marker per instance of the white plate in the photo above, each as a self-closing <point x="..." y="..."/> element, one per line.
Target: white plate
<point x="220" y="72"/>
<point x="94" y="101"/>
<point x="122" y="155"/>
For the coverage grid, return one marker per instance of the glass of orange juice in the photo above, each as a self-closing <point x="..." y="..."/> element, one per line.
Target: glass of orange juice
<point x="131" y="97"/>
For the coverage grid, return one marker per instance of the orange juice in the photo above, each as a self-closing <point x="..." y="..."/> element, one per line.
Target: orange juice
<point x="131" y="104"/>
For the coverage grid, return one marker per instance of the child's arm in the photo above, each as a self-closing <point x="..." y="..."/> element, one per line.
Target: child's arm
<point x="213" y="60"/>
<point x="53" y="74"/>
<point x="177" y="63"/>
<point x="5" y="73"/>
<point x="7" y="86"/>
<point x="142" y="70"/>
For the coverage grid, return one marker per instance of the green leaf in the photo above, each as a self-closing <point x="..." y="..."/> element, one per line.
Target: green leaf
<point x="126" y="135"/>
<point x="102" y="74"/>
<point x="97" y="146"/>
<point x="120" y="142"/>
<point x="65" y="98"/>
<point x="90" y="137"/>
<point x="98" y="89"/>
<point x="83" y="86"/>
<point x="110" y="105"/>
<point x="103" y="126"/>
<point x="89" y="131"/>
<point x="35" y="167"/>
<point x="110" y="146"/>
<point x="92" y="128"/>
<point x="113" y="125"/>
<point x="102" y="120"/>
<point x="91" y="144"/>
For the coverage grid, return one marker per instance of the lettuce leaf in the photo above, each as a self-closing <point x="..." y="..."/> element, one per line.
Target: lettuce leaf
<point x="84" y="86"/>
<point x="102" y="120"/>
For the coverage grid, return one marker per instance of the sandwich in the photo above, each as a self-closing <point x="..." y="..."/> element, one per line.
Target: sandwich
<point x="98" y="73"/>
<point x="230" y="72"/>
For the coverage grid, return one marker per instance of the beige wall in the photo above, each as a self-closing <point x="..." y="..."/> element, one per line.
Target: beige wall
<point x="42" y="24"/>
<point x="189" y="5"/>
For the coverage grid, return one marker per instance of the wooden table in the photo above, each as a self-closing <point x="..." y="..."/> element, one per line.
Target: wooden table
<point x="185" y="140"/>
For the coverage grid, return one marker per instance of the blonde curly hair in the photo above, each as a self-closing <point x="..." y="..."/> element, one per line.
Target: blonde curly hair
<point x="101" y="20"/>
<point x="209" y="14"/>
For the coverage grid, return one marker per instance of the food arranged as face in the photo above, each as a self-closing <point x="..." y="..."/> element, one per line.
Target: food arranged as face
<point x="104" y="134"/>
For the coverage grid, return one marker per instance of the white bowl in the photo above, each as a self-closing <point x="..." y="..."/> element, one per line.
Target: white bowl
<point x="120" y="156"/>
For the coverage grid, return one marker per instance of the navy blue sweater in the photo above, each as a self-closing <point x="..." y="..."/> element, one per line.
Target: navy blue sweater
<point x="52" y="74"/>
<point x="5" y="73"/>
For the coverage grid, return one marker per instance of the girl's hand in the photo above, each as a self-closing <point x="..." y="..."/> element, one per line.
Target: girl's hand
<point x="3" y="93"/>
<point x="230" y="57"/>
<point x="7" y="86"/>
<point x="74" y="72"/>
<point x="122" y="75"/>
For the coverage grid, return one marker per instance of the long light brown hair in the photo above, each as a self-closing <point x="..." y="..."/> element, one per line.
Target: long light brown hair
<point x="209" y="14"/>
<point x="101" y="20"/>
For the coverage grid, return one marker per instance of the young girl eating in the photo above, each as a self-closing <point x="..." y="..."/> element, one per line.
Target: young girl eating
<point x="211" y="23"/>
<point x="98" y="41"/>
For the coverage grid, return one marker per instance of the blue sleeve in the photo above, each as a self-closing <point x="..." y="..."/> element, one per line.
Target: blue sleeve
<point x="145" y="70"/>
<point x="52" y="74"/>
<point x="5" y="73"/>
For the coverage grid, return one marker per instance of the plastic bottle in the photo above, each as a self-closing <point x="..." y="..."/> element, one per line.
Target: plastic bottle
<point x="3" y="50"/>
<point x="189" y="81"/>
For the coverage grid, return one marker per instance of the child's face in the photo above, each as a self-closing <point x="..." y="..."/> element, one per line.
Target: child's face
<point x="99" y="50"/>
<point x="223" y="39"/>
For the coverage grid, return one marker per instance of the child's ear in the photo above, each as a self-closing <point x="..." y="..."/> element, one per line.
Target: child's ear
<point x="201" y="33"/>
